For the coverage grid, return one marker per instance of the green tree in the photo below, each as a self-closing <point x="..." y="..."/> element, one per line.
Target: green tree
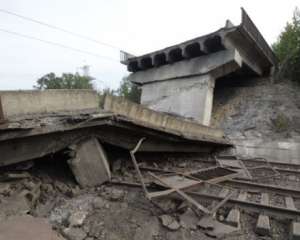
<point x="287" y="49"/>
<point x="129" y="90"/>
<point x="66" y="81"/>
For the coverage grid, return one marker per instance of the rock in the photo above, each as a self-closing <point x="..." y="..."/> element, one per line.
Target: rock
<point x="77" y="218"/>
<point x="99" y="203"/>
<point x="74" y="233"/>
<point x="59" y="217"/>
<point x="17" y="204"/>
<point x="96" y="229"/>
<point x="169" y="222"/>
<point x="149" y="230"/>
<point x="5" y="189"/>
<point x="189" y="219"/>
<point x="117" y="194"/>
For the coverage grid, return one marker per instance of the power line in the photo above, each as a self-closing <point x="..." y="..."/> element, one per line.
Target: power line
<point x="60" y="29"/>
<point x="58" y="45"/>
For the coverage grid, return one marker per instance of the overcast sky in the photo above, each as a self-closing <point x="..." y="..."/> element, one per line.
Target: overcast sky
<point x="136" y="26"/>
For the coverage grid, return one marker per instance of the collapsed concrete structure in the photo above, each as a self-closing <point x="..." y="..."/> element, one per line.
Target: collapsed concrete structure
<point x="180" y="79"/>
<point x="73" y="119"/>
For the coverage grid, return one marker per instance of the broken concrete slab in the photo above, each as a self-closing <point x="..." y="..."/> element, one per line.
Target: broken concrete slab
<point x="73" y="233"/>
<point x="27" y="228"/>
<point x="169" y="222"/>
<point x="90" y="166"/>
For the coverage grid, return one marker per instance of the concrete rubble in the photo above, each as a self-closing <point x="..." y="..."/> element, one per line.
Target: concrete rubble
<point x="73" y="169"/>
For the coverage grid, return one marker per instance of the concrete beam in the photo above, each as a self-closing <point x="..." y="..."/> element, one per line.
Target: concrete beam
<point x="186" y="68"/>
<point x="165" y="122"/>
<point x="16" y="103"/>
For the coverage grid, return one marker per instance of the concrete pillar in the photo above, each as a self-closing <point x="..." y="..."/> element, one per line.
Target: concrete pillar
<point x="190" y="97"/>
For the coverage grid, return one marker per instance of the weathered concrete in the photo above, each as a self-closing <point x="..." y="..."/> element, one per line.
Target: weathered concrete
<point x="191" y="98"/>
<point x="186" y="88"/>
<point x="16" y="103"/>
<point x="234" y="216"/>
<point x="220" y="63"/>
<point x="285" y="151"/>
<point x="90" y="166"/>
<point x="263" y="222"/>
<point x="180" y="79"/>
<point x="165" y="122"/>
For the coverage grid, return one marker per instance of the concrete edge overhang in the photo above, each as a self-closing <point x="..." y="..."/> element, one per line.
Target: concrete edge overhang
<point x="217" y="64"/>
<point x="146" y="119"/>
<point x="245" y="37"/>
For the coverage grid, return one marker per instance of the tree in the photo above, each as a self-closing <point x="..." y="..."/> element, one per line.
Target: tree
<point x="287" y="49"/>
<point x="66" y="81"/>
<point x="129" y="90"/>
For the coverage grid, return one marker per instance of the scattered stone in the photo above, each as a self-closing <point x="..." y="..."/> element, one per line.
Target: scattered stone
<point x="116" y="194"/>
<point x="189" y="219"/>
<point x="77" y="218"/>
<point x="5" y="189"/>
<point x="99" y="203"/>
<point x="149" y="230"/>
<point x="74" y="233"/>
<point x="27" y="228"/>
<point x="214" y="228"/>
<point x="169" y="222"/>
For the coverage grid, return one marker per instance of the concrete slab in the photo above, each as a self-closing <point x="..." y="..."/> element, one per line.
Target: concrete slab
<point x="16" y="103"/>
<point x="90" y="166"/>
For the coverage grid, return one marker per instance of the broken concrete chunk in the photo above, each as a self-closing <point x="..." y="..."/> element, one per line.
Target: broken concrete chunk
<point x="74" y="233"/>
<point x="27" y="228"/>
<point x="77" y="218"/>
<point x="116" y="194"/>
<point x="169" y="222"/>
<point x="214" y="228"/>
<point x="189" y="219"/>
<point x="99" y="203"/>
<point x="90" y="166"/>
<point x="149" y="230"/>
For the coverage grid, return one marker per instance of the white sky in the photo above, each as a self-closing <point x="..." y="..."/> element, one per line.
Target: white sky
<point x="136" y="26"/>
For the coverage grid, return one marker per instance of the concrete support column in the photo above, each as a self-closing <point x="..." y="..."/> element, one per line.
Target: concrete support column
<point x="190" y="97"/>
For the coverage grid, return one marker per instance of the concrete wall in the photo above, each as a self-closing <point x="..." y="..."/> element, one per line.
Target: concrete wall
<point x="16" y="103"/>
<point x="284" y="151"/>
<point x="187" y="97"/>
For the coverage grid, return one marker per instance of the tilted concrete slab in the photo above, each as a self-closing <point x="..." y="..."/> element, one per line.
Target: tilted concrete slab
<point x="16" y="103"/>
<point x="90" y="165"/>
<point x="164" y="122"/>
